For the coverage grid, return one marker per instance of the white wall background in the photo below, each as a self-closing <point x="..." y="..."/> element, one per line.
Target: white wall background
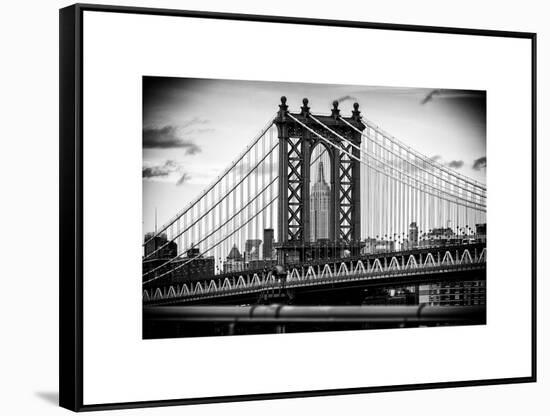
<point x="28" y="207"/>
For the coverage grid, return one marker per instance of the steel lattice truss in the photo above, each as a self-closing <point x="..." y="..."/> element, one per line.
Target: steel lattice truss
<point x="345" y="191"/>
<point x="295" y="189"/>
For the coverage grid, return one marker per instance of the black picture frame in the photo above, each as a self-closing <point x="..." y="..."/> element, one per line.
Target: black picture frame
<point x="71" y="205"/>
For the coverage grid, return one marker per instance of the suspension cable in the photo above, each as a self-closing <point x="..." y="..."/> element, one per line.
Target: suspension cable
<point x="215" y="181"/>
<point x="413" y="164"/>
<point x="383" y="172"/>
<point x="214" y="231"/>
<point x="219" y="201"/>
<point x="179" y="266"/>
<point x="370" y="124"/>
<point x="388" y="165"/>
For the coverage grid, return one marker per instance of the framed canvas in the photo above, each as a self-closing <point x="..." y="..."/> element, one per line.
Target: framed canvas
<point x="312" y="195"/>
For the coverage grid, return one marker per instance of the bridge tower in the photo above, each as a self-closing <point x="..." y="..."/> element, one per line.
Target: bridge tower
<point x="297" y="141"/>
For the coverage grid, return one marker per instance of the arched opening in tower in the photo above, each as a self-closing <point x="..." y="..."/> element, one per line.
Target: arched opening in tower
<point x="320" y="193"/>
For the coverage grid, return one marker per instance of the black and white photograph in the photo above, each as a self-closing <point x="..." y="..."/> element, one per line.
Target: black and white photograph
<point x="258" y="206"/>
<point x="281" y="207"/>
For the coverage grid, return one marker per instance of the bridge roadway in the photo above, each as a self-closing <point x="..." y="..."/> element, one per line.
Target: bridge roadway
<point x="343" y="278"/>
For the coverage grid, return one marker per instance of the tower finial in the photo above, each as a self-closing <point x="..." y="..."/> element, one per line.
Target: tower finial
<point x="305" y="108"/>
<point x="335" y="110"/>
<point x="283" y="108"/>
<point x="356" y="114"/>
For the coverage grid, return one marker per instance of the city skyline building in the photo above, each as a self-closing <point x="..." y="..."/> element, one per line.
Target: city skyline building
<point x="252" y="249"/>
<point x="320" y="206"/>
<point x="269" y="237"/>
<point x="413" y="235"/>
<point x="158" y="246"/>
<point x="234" y="260"/>
<point x="159" y="251"/>
<point x="464" y="293"/>
<point x="374" y="245"/>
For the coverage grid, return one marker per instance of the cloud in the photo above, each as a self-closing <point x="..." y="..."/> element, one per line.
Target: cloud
<point x="452" y="94"/>
<point x="183" y="179"/>
<point x="200" y="131"/>
<point x="455" y="164"/>
<point x="167" y="137"/>
<point x="480" y="163"/>
<point x="346" y="98"/>
<point x="430" y="96"/>
<point x="176" y="137"/>
<point x="193" y="122"/>
<point x="156" y="171"/>
<point x="169" y="171"/>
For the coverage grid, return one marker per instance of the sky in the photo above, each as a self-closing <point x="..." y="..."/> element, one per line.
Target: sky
<point x="193" y="128"/>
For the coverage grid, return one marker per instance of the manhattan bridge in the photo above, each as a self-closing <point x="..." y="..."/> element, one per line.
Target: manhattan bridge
<point x="316" y="210"/>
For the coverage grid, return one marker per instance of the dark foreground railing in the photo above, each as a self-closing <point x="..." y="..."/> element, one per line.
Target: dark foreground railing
<point x="420" y="314"/>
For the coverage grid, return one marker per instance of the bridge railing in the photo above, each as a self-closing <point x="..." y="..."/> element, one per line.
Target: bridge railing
<point x="307" y="276"/>
<point x="419" y="314"/>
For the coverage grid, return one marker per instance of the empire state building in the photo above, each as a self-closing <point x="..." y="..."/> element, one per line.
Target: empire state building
<point x="319" y="201"/>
